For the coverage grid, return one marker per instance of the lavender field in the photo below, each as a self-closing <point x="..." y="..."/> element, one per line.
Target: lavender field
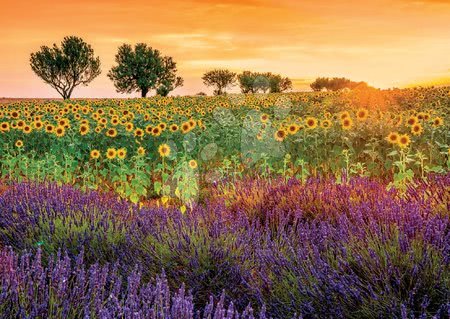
<point x="255" y="250"/>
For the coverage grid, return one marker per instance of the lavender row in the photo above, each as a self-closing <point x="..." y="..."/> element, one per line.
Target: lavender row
<point x="319" y="250"/>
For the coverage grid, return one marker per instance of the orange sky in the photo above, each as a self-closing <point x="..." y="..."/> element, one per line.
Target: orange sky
<point x="383" y="42"/>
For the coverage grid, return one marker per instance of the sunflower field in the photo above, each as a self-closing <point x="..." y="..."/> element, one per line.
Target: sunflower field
<point x="284" y="205"/>
<point x="172" y="147"/>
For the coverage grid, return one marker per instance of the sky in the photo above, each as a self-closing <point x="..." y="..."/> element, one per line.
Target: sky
<point x="387" y="43"/>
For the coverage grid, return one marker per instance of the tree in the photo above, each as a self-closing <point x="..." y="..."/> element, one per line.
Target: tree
<point x="319" y="84"/>
<point x="168" y="79"/>
<point x="143" y="69"/>
<point x="67" y="67"/>
<point x="336" y="84"/>
<point x="279" y="84"/>
<point x="247" y="82"/>
<point x="262" y="82"/>
<point x="220" y="79"/>
<point x="253" y="82"/>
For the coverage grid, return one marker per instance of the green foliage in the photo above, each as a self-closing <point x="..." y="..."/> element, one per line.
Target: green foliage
<point x="66" y="67"/>
<point x="220" y="79"/>
<point x="335" y="84"/>
<point x="254" y="82"/>
<point x="143" y="69"/>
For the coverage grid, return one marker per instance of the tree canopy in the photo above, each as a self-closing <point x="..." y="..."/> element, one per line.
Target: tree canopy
<point x="220" y="79"/>
<point x="335" y="84"/>
<point x="254" y="82"/>
<point x="66" y="67"/>
<point x="143" y="69"/>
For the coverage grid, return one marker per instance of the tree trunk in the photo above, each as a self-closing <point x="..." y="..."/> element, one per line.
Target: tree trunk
<point x="144" y="92"/>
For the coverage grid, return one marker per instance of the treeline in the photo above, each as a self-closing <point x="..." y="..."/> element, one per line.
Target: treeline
<point x="249" y="82"/>
<point x="143" y="69"/>
<point x="336" y="84"/>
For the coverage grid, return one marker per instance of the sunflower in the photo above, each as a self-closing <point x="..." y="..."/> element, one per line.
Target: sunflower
<point x="347" y="123"/>
<point x="15" y="114"/>
<point x="60" y="131"/>
<point x="362" y="114"/>
<point x="412" y="120"/>
<point x="139" y="132"/>
<point x="416" y="129"/>
<point x="111" y="153"/>
<point x="156" y="131"/>
<point x="141" y="151"/>
<point x="438" y="122"/>
<point x="4" y="127"/>
<point x="193" y="164"/>
<point x="421" y="115"/>
<point x="311" y="122"/>
<point x="19" y="143"/>
<point x="115" y="121"/>
<point x="392" y="137"/>
<point x="280" y="135"/>
<point x="264" y="118"/>
<point x="173" y="128"/>
<point x="185" y="127"/>
<point x="38" y="124"/>
<point x="84" y="129"/>
<point x="192" y="123"/>
<point x="148" y="129"/>
<point x="49" y="128"/>
<point x="27" y="129"/>
<point x="404" y="140"/>
<point x="164" y="150"/>
<point x="111" y="132"/>
<point x="129" y="127"/>
<point x="162" y="126"/>
<point x="95" y="154"/>
<point x="121" y="153"/>
<point x="326" y="124"/>
<point x="292" y="129"/>
<point x="344" y="115"/>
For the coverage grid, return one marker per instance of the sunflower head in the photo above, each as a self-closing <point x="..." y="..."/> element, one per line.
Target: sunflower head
<point x="416" y="129"/>
<point x="111" y="153"/>
<point x="121" y="153"/>
<point x="139" y="132"/>
<point x="141" y="151"/>
<point x="326" y="124"/>
<point x="156" y="131"/>
<point x="412" y="120"/>
<point x="19" y="143"/>
<point x="292" y="129"/>
<point x="193" y="164"/>
<point x="84" y="129"/>
<point x="404" y="140"/>
<point x="347" y="123"/>
<point x="173" y="128"/>
<point x="438" y="121"/>
<point x="95" y="154"/>
<point x="27" y="129"/>
<point x="60" y="131"/>
<point x="392" y="137"/>
<point x="362" y="114"/>
<point x="311" y="122"/>
<point x="111" y="132"/>
<point x="280" y="135"/>
<point x="185" y="127"/>
<point x="164" y="150"/>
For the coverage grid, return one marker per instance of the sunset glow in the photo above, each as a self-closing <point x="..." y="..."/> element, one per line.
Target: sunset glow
<point x="386" y="43"/>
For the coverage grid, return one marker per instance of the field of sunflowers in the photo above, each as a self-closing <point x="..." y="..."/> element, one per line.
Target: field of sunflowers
<point x="293" y="205"/>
